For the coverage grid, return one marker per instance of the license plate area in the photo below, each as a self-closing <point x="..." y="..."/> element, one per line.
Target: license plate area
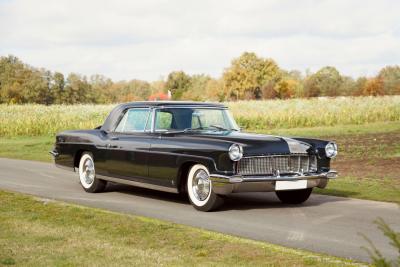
<point x="290" y="185"/>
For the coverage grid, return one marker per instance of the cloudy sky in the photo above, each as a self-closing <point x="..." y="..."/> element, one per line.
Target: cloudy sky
<point x="147" y="39"/>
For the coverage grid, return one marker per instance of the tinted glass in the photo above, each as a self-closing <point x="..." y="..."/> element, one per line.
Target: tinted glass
<point x="194" y="118"/>
<point x="134" y="120"/>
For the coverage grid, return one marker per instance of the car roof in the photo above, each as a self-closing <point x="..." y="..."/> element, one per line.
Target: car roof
<point x="112" y="118"/>
<point x="171" y="104"/>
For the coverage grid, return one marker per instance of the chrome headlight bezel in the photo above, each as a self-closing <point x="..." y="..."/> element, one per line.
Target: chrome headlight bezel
<point x="331" y="150"/>
<point x="235" y="152"/>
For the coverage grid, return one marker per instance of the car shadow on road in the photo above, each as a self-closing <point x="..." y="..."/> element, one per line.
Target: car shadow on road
<point x="238" y="201"/>
<point x="268" y="200"/>
<point x="144" y="192"/>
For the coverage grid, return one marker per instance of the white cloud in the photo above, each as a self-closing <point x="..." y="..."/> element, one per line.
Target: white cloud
<point x="148" y="39"/>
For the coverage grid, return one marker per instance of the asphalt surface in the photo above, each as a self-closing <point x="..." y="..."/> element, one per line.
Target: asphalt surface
<point x="324" y="224"/>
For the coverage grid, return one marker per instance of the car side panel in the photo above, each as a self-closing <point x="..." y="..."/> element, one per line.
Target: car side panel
<point x="168" y="153"/>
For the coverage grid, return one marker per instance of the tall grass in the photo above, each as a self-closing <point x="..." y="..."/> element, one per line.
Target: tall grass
<point x="47" y="120"/>
<point x="315" y="112"/>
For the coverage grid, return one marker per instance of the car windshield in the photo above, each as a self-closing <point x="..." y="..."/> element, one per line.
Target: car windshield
<point x="193" y="119"/>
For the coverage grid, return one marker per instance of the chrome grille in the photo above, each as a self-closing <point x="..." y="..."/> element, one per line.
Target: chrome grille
<point x="269" y="165"/>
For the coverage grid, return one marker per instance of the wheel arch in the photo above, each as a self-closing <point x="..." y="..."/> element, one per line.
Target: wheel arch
<point x="183" y="173"/>
<point x="78" y="155"/>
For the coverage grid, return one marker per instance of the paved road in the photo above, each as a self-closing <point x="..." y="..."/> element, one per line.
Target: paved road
<point x="324" y="224"/>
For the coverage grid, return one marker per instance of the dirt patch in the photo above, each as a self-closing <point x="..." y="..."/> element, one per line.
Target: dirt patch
<point x="374" y="156"/>
<point x="377" y="168"/>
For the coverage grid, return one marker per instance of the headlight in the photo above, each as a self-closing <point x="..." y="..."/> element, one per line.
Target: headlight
<point x="331" y="150"/>
<point x="235" y="152"/>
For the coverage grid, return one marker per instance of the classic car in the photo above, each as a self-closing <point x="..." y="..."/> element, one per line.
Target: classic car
<point x="193" y="148"/>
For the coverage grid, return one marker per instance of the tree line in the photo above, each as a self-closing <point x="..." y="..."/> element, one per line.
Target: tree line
<point x="248" y="77"/>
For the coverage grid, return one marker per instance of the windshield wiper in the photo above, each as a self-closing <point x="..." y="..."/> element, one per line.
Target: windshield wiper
<point x="218" y="127"/>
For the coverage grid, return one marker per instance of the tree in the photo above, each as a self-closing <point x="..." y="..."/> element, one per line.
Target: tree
<point x="178" y="82"/>
<point x="249" y="73"/>
<point x="348" y="86"/>
<point x="374" y="87"/>
<point x="77" y="90"/>
<point x="325" y="82"/>
<point x="215" y="90"/>
<point x="197" y="88"/>
<point x="286" y="89"/>
<point x="390" y="77"/>
<point x="57" y="87"/>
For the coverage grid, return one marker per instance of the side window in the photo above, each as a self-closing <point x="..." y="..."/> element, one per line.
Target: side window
<point x="134" y="120"/>
<point x="163" y="120"/>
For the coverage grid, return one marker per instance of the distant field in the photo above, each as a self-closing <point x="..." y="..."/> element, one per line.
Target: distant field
<point x="36" y="120"/>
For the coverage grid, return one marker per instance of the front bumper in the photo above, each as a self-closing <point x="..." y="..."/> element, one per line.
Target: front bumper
<point x="224" y="185"/>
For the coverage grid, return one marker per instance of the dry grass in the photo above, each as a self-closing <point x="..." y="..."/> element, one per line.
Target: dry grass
<point x="34" y="120"/>
<point x="297" y="113"/>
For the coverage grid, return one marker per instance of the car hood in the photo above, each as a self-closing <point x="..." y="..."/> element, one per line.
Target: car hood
<point x="259" y="144"/>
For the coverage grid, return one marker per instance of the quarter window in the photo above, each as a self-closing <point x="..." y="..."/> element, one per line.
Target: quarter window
<point x="163" y="120"/>
<point x="134" y="120"/>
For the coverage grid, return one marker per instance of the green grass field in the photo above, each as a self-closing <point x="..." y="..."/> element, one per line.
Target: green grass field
<point x="40" y="232"/>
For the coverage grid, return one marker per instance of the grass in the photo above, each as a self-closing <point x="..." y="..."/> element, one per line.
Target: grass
<point x="38" y="120"/>
<point x="383" y="189"/>
<point x="367" y="163"/>
<point x="27" y="147"/>
<point x="41" y="232"/>
<point x="367" y="130"/>
<point x="298" y="113"/>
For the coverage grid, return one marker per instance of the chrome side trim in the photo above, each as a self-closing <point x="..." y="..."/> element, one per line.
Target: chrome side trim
<point x="138" y="184"/>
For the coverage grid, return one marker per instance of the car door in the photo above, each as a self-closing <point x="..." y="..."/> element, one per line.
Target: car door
<point x="128" y="146"/>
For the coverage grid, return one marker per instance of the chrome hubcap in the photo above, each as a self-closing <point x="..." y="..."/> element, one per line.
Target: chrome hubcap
<point x="88" y="171"/>
<point x="201" y="185"/>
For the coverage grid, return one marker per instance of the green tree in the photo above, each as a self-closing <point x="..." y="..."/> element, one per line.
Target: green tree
<point x="178" y="82"/>
<point x="77" y="90"/>
<point x="57" y="87"/>
<point x="390" y="77"/>
<point x="325" y="82"/>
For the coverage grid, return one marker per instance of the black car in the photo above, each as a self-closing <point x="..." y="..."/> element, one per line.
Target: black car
<point x="194" y="148"/>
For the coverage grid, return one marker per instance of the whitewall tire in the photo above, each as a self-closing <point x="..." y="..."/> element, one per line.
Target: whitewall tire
<point x="87" y="174"/>
<point x="199" y="188"/>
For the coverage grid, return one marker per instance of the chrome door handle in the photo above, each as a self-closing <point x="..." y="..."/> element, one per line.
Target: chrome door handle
<point x="111" y="146"/>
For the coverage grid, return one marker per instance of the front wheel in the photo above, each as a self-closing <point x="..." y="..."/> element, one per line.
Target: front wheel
<point x="200" y="191"/>
<point x="87" y="175"/>
<point x="294" y="196"/>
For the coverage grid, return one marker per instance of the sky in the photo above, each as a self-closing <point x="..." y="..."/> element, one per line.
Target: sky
<point x="148" y="39"/>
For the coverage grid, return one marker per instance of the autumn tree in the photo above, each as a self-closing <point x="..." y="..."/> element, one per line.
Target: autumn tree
<point x="197" y="88"/>
<point x="373" y="87"/>
<point x="248" y="74"/>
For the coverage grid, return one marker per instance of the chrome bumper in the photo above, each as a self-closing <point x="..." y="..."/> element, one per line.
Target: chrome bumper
<point x="224" y="185"/>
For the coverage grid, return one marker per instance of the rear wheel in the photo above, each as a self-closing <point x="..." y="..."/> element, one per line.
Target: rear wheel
<point x="200" y="191"/>
<point x="294" y="196"/>
<point x="87" y="174"/>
